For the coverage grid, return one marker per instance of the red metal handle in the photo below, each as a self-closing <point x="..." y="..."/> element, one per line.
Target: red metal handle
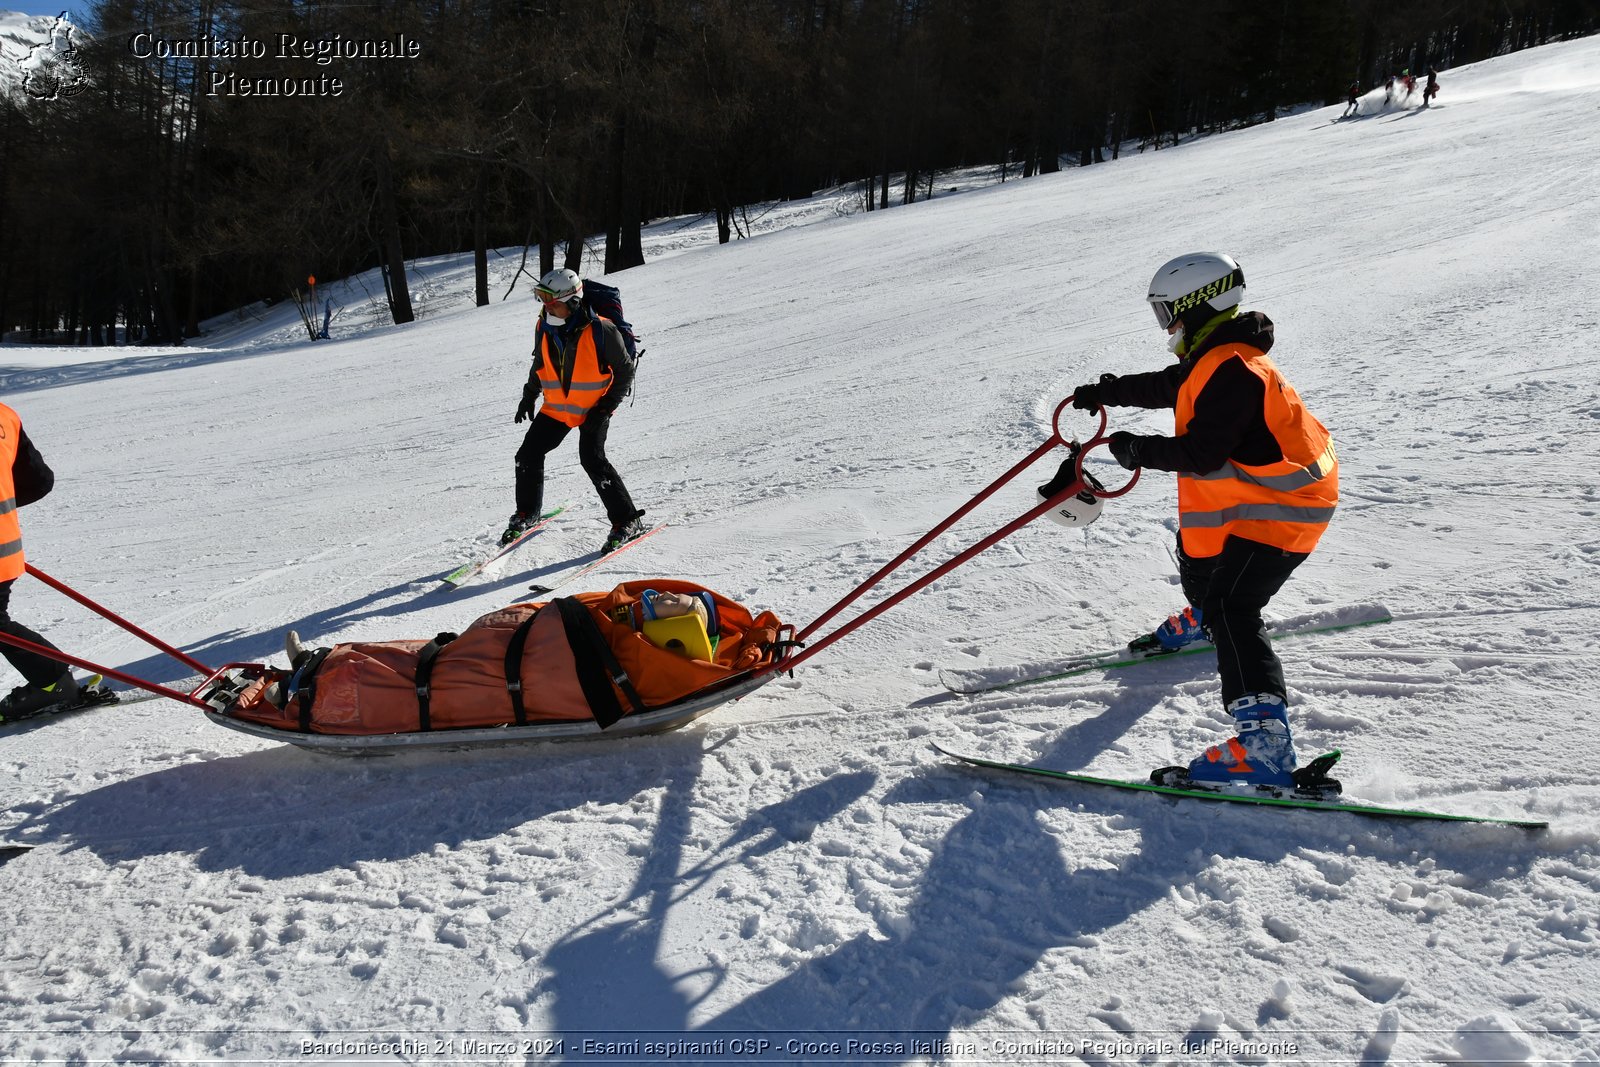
<point x="109" y="672"/>
<point x="1055" y="421"/>
<point x="1100" y="438"/>
<point x="105" y="613"/>
<point x="940" y="571"/>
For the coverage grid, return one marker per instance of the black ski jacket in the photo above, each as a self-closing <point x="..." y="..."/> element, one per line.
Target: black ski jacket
<point x="1229" y="414"/>
<point x="31" y="476"/>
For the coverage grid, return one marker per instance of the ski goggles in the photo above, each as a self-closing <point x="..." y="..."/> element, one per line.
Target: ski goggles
<point x="1163" y="310"/>
<point x="550" y="296"/>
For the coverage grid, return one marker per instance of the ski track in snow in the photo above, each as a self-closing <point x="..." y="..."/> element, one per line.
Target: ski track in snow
<point x="801" y="864"/>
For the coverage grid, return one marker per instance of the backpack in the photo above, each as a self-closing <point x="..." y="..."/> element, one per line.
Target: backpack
<point x="606" y="301"/>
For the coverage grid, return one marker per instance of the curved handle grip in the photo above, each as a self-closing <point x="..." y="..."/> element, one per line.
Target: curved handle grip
<point x="1055" y="421"/>
<point x="1100" y="438"/>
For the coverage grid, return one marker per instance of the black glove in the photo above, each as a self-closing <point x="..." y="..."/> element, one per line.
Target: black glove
<point x="1124" y="448"/>
<point x="530" y="398"/>
<point x="1066" y="474"/>
<point x="1087" y="397"/>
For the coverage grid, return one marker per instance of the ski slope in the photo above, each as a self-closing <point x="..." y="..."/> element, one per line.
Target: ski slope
<point x="801" y="868"/>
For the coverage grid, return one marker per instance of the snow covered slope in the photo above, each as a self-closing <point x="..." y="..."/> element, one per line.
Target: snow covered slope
<point x="801" y="867"/>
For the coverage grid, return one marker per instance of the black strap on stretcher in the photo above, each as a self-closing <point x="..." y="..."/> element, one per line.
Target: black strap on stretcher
<point x="302" y="686"/>
<point x="597" y="665"/>
<point x="425" y="660"/>
<point x="519" y="641"/>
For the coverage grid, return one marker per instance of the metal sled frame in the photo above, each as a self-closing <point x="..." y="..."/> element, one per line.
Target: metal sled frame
<point x="651" y="721"/>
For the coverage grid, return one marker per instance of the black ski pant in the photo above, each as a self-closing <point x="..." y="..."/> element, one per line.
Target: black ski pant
<point x="544" y="434"/>
<point x="38" y="670"/>
<point x="1231" y="589"/>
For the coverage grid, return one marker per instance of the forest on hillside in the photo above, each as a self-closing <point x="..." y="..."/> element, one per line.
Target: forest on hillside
<point x="179" y="158"/>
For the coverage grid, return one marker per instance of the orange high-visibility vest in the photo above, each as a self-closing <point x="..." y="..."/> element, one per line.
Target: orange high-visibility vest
<point x="1287" y="504"/>
<point x="588" y="382"/>
<point x="11" y="561"/>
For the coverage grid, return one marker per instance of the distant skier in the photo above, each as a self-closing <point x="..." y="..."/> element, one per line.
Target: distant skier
<point x="1409" y="82"/>
<point x="1352" y="104"/>
<point x="1430" y="90"/>
<point x="1257" y="484"/>
<point x="24" y="478"/>
<point x="582" y="374"/>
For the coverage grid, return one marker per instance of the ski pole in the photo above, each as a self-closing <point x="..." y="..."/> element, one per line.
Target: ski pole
<point x="1078" y="485"/>
<point x="62" y="587"/>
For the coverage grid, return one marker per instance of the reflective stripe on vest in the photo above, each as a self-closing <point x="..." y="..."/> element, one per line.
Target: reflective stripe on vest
<point x="12" y="563"/>
<point x="588" y="383"/>
<point x="1286" y="483"/>
<point x="1287" y="504"/>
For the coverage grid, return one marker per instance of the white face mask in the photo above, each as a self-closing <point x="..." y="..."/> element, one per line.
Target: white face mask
<point x="1175" y="341"/>
<point x="552" y="320"/>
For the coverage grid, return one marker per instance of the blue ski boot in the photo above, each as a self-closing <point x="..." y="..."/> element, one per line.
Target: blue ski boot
<point x="1178" y="631"/>
<point x="1262" y="754"/>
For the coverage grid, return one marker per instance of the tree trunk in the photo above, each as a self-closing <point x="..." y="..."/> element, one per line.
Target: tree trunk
<point x="573" y="260"/>
<point x="624" y="236"/>
<point x="547" y="241"/>
<point x="160" y="283"/>
<point x="480" y="235"/>
<point x="393" y="253"/>
<point x="192" y="325"/>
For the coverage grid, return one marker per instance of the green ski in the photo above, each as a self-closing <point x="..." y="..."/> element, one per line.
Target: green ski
<point x="1264" y="797"/>
<point x="994" y="679"/>
<point x="470" y="570"/>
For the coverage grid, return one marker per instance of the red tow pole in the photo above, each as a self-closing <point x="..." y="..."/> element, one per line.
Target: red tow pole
<point x="207" y="674"/>
<point x="63" y="657"/>
<point x="105" y="613"/>
<point x="1078" y="485"/>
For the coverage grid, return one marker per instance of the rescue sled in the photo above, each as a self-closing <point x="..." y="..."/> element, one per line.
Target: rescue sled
<point x="646" y="657"/>
<point x="600" y="664"/>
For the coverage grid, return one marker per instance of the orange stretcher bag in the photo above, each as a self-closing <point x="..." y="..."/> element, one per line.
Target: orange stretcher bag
<point x="570" y="659"/>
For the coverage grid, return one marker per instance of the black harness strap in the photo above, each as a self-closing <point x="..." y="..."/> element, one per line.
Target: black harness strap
<point x="303" y="685"/>
<point x="514" y="649"/>
<point x="597" y="665"/>
<point x="425" y="661"/>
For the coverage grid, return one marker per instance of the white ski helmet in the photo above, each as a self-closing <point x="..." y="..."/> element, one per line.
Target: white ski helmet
<point x="560" y="284"/>
<point x="1207" y="282"/>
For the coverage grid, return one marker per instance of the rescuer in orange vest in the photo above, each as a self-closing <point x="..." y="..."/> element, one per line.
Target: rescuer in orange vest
<point x="24" y="478"/>
<point x="582" y="369"/>
<point x="1258" y="480"/>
